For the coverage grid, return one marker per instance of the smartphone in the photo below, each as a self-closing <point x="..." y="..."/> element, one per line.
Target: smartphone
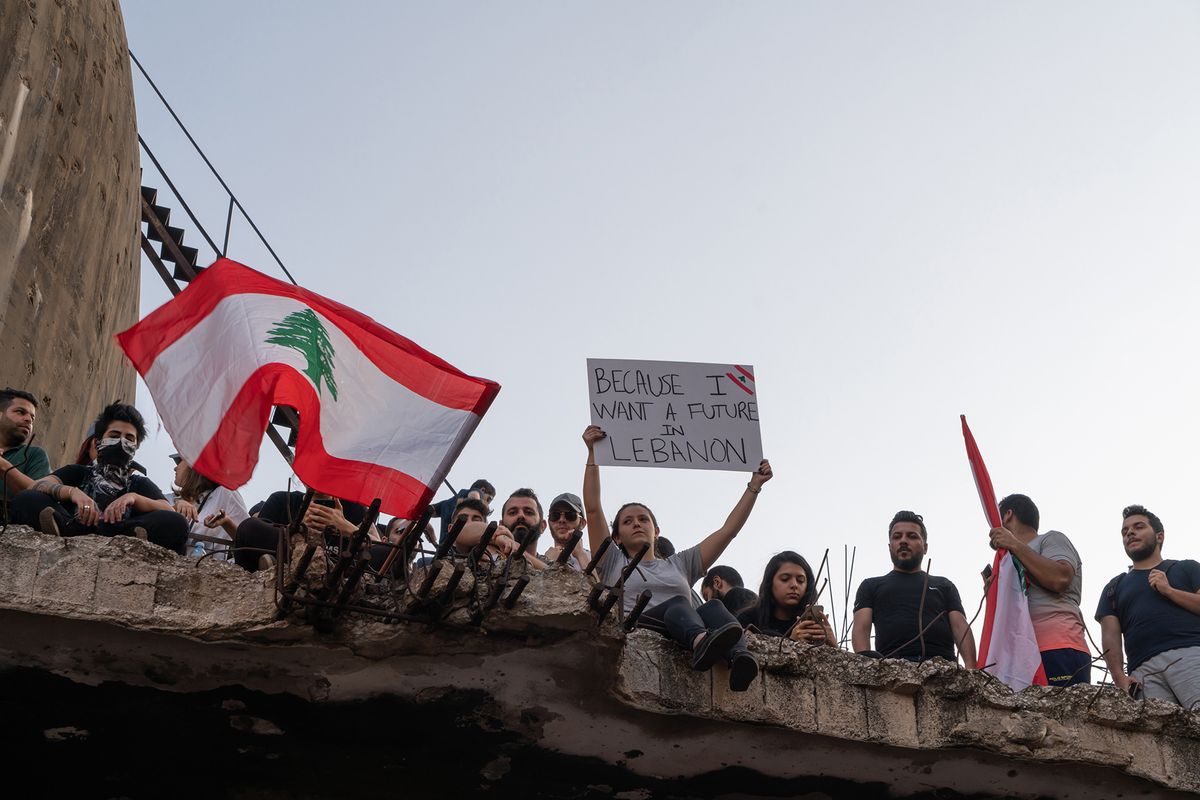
<point x="812" y="613"/>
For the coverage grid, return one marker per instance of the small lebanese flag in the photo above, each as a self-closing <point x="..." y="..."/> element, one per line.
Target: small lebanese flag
<point x="379" y="416"/>
<point x="1008" y="637"/>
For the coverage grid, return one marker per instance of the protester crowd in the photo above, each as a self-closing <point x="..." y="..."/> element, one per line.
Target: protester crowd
<point x="1151" y="612"/>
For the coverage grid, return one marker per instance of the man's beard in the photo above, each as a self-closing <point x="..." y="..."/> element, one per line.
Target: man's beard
<point x="13" y="437"/>
<point x="1145" y="552"/>
<point x="910" y="562"/>
<point x="521" y="531"/>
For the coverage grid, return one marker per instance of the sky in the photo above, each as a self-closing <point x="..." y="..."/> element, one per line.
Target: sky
<point x="897" y="213"/>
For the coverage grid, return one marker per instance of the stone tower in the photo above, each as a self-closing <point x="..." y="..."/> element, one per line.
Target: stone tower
<point x="69" y="210"/>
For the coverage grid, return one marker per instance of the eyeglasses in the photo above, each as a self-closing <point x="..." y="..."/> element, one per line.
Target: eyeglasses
<point x="569" y="515"/>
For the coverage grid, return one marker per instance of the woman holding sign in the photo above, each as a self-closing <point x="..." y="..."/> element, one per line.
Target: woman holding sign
<point x="708" y="630"/>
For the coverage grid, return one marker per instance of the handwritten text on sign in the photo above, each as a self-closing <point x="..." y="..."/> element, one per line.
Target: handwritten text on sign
<point x="675" y="414"/>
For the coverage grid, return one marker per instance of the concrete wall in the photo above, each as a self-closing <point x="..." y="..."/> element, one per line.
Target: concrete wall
<point x="69" y="210"/>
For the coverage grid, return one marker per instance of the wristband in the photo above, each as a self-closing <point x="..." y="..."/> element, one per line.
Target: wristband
<point x="750" y="486"/>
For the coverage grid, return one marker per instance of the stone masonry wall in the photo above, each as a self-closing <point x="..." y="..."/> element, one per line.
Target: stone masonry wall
<point x="69" y="210"/>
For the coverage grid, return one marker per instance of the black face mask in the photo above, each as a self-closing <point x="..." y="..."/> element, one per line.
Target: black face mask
<point x="115" y="452"/>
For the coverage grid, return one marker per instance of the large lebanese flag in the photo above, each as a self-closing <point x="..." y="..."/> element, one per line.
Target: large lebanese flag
<point x="1008" y="638"/>
<point x="379" y="415"/>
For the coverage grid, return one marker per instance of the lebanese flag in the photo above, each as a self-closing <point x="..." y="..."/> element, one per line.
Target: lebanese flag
<point x="1008" y="637"/>
<point x="379" y="416"/>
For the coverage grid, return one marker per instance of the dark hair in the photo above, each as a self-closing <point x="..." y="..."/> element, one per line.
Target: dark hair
<point x="1024" y="509"/>
<point x="764" y="612"/>
<point x="526" y="493"/>
<point x="8" y="394"/>
<point x="725" y="573"/>
<point x="909" y="516"/>
<point x="194" y="485"/>
<point x="120" y="412"/>
<point x="1134" y="510"/>
<point x="473" y="504"/>
<point x="84" y="456"/>
<point x="483" y="486"/>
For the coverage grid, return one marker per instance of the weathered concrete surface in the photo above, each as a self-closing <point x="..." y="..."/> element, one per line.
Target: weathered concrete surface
<point x="98" y="611"/>
<point x="69" y="210"/>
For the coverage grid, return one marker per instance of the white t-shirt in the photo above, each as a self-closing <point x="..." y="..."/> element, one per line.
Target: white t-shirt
<point x="219" y="499"/>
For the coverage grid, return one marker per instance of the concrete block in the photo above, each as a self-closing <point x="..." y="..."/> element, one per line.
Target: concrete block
<point x="126" y="586"/>
<point x="891" y="717"/>
<point x="66" y="579"/>
<point x="841" y="709"/>
<point x="18" y="570"/>
<point x="789" y="701"/>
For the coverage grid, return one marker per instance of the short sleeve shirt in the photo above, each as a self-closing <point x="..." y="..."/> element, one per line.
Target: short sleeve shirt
<point x="664" y="577"/>
<point x="898" y="615"/>
<point x="1150" y="623"/>
<point x="31" y="462"/>
<point x="1057" y="620"/>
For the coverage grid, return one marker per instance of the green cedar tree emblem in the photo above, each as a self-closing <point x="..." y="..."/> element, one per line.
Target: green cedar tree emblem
<point x="303" y="331"/>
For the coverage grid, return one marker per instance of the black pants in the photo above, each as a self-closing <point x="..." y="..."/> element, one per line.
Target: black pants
<point x="256" y="537"/>
<point x="677" y="620"/>
<point x="164" y="528"/>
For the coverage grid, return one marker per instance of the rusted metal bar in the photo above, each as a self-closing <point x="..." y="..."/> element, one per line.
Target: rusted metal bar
<point x="362" y="561"/>
<point x="599" y="554"/>
<point x="511" y="600"/>
<point x="594" y="597"/>
<point x="460" y="569"/>
<point x="484" y="540"/>
<point x="431" y="575"/>
<point x="529" y="538"/>
<point x="451" y="535"/>
<point x="346" y="554"/>
<point x="407" y="544"/>
<point x="636" y="613"/>
<point x="614" y="593"/>
<point x="569" y="548"/>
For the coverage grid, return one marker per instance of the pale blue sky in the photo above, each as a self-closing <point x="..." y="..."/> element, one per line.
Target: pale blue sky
<point x="897" y="212"/>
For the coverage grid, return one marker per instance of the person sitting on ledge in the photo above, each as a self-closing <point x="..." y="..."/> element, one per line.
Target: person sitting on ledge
<point x="709" y="631"/>
<point x="725" y="583"/>
<point x="21" y="463"/>
<point x="105" y="497"/>
<point x="212" y="511"/>
<point x="787" y="603"/>
<point x="522" y="517"/>
<point x="257" y="538"/>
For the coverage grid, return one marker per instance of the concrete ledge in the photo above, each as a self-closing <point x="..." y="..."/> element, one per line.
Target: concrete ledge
<point x="121" y="610"/>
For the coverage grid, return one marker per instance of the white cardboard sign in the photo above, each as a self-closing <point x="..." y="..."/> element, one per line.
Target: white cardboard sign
<point x="673" y="414"/>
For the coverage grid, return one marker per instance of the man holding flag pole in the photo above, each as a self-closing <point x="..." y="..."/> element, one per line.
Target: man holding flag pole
<point x="1033" y="630"/>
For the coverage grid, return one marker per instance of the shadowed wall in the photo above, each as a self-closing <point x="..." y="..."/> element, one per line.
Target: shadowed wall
<point x="69" y="211"/>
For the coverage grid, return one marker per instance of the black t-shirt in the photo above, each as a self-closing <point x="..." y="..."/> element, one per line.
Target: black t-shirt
<point x="77" y="475"/>
<point x="895" y="603"/>
<point x="774" y="627"/>
<point x="1150" y="623"/>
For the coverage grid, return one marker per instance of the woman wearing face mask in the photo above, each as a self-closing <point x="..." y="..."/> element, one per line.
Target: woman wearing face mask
<point x="106" y="497"/>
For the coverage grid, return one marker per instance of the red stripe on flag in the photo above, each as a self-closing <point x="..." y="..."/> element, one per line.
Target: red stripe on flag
<point x="738" y="383"/>
<point x="744" y="371"/>
<point x="230" y="456"/>
<point x="397" y="357"/>
<point x="987" y="498"/>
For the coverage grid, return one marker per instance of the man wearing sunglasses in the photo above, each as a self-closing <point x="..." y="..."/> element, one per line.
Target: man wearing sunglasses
<point x="566" y="517"/>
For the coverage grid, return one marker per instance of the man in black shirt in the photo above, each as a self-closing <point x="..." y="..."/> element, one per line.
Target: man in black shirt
<point x="916" y="616"/>
<point x="105" y="497"/>
<point x="725" y="583"/>
<point x="1156" y="607"/>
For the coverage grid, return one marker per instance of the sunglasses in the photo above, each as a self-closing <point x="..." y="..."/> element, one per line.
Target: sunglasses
<point x="569" y="515"/>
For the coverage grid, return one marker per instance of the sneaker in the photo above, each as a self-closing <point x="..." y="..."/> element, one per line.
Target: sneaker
<point x="743" y="669"/>
<point x="266" y="561"/>
<point x="715" y="646"/>
<point x="48" y="522"/>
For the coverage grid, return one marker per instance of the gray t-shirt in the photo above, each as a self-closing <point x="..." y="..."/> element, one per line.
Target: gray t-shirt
<point x="664" y="577"/>
<point x="1057" y="620"/>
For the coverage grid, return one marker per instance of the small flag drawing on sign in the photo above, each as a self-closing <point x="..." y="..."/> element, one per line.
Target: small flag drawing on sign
<point x="744" y="379"/>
